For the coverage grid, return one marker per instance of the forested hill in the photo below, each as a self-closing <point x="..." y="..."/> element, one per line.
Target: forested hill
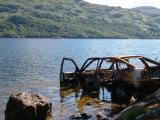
<point x="73" y="19"/>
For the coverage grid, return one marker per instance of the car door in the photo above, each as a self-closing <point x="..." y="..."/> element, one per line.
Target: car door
<point x="68" y="71"/>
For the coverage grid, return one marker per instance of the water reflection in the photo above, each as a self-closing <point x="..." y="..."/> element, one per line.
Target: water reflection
<point x="102" y="98"/>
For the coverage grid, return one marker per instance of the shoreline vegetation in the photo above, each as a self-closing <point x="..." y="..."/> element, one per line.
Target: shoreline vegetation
<point x="76" y="19"/>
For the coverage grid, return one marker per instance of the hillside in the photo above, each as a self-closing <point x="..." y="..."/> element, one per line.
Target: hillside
<point x="73" y="19"/>
<point x="153" y="12"/>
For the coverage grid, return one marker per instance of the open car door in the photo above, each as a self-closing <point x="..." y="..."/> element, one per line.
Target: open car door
<point x="68" y="71"/>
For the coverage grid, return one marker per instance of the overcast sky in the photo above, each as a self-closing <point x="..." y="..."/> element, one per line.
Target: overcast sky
<point x="128" y="3"/>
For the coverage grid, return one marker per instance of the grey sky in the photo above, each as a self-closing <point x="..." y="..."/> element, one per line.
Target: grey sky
<point x="127" y="3"/>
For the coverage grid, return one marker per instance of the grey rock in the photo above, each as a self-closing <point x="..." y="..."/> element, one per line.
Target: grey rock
<point x="80" y="116"/>
<point x="150" y="114"/>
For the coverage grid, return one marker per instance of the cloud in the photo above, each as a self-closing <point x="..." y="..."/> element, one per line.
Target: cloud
<point x="127" y="3"/>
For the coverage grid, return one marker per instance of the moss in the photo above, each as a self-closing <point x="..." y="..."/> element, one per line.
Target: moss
<point x="132" y="115"/>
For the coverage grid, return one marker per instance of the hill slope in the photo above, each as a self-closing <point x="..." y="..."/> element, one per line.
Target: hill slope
<point x="73" y="19"/>
<point x="153" y="12"/>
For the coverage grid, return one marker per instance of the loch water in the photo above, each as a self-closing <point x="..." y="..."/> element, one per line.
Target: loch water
<point x="33" y="65"/>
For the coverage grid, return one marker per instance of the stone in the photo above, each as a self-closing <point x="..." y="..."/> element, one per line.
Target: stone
<point x="148" y="108"/>
<point x="101" y="116"/>
<point x="80" y="116"/>
<point x="25" y="106"/>
<point x="149" y="115"/>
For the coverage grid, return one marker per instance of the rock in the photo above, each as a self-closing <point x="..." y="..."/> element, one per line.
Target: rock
<point x="25" y="106"/>
<point x="149" y="115"/>
<point x="147" y="108"/>
<point x="80" y="116"/>
<point x="101" y="116"/>
<point x="142" y="117"/>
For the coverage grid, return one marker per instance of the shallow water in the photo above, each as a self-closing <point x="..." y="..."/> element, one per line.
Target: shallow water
<point x="33" y="65"/>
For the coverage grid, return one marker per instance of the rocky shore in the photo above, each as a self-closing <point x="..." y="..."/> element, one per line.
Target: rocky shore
<point x="146" y="109"/>
<point x="36" y="107"/>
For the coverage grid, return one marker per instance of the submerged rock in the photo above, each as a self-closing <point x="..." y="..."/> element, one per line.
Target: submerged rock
<point x="25" y="106"/>
<point x="101" y="116"/>
<point x="80" y="116"/>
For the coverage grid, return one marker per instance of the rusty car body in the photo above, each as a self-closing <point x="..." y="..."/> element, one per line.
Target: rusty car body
<point x="141" y="71"/>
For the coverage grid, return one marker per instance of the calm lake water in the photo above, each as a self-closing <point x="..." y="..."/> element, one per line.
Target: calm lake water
<point x="33" y="65"/>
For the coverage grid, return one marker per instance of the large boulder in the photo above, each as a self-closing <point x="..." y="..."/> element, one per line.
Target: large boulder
<point x="25" y="106"/>
<point x="147" y="109"/>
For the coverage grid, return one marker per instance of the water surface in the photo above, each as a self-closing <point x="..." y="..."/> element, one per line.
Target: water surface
<point x="33" y="65"/>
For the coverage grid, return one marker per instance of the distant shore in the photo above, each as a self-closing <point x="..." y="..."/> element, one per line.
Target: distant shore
<point x="75" y="38"/>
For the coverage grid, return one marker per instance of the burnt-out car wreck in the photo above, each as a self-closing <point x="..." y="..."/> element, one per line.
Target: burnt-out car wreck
<point x="143" y="73"/>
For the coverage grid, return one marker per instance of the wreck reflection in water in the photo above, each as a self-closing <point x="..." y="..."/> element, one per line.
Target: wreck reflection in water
<point x="101" y="99"/>
<point x="110" y="99"/>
